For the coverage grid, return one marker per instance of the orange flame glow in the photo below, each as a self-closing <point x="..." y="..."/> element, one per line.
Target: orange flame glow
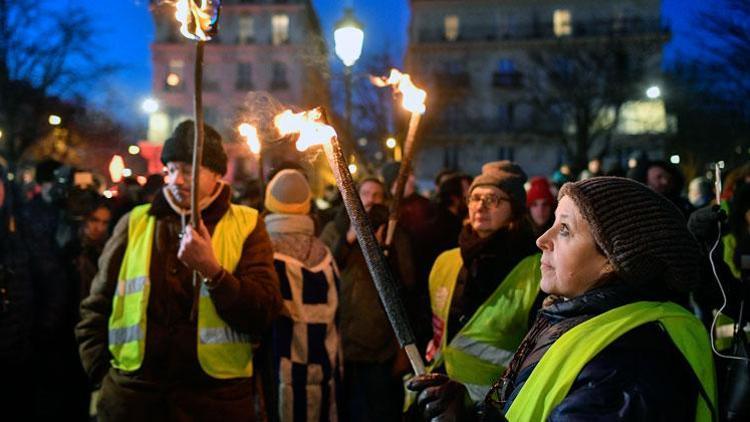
<point x="189" y="15"/>
<point x="413" y="98"/>
<point x="312" y="131"/>
<point x="116" y="166"/>
<point x="250" y="133"/>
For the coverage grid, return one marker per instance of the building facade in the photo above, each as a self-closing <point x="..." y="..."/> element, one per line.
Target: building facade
<point x="262" y="45"/>
<point x="474" y="58"/>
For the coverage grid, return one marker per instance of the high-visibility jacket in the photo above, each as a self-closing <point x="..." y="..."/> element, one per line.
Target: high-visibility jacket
<point x="222" y="352"/>
<point x="478" y="354"/>
<point x="552" y="377"/>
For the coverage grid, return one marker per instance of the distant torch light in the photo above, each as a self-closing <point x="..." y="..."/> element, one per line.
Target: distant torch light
<point x="390" y="143"/>
<point x="675" y="159"/>
<point x="134" y="150"/>
<point x="127" y="172"/>
<point x="107" y="194"/>
<point x="653" y="92"/>
<point x="54" y="120"/>
<point x="352" y="168"/>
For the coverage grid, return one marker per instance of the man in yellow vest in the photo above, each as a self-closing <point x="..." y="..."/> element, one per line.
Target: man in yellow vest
<point x="496" y="266"/>
<point x="162" y="348"/>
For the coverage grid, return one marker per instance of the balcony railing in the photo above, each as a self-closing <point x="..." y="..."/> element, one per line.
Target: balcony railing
<point x="544" y="30"/>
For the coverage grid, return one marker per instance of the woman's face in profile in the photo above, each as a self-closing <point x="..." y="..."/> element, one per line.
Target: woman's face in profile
<point x="571" y="262"/>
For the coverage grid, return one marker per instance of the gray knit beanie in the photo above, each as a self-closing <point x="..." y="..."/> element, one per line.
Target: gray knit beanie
<point x="179" y="147"/>
<point x="288" y="193"/>
<point x="643" y="235"/>
<point x="506" y="176"/>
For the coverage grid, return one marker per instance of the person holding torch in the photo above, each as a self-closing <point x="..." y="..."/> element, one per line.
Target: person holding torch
<point x="138" y="337"/>
<point x="617" y="341"/>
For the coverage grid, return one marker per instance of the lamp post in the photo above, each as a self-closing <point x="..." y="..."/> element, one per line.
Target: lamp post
<point x="348" y="37"/>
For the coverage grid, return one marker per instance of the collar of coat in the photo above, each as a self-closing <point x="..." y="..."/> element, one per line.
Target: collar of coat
<point x="211" y="214"/>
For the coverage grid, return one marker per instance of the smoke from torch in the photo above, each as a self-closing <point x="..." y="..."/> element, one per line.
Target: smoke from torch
<point x="312" y="130"/>
<point x="413" y="100"/>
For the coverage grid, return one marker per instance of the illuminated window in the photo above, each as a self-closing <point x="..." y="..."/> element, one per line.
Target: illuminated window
<point x="280" y="29"/>
<point x="562" y="21"/>
<point x="174" y="78"/>
<point x="246" y="29"/>
<point x="451" y="27"/>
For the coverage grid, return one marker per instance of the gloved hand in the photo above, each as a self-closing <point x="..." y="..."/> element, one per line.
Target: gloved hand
<point x="441" y="399"/>
<point x="703" y="223"/>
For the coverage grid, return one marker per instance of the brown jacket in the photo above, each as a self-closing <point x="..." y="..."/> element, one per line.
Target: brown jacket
<point x="248" y="300"/>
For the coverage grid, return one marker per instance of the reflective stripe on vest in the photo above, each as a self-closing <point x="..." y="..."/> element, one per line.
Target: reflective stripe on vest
<point x="222" y="352"/>
<point x="480" y="351"/>
<point x="552" y="377"/>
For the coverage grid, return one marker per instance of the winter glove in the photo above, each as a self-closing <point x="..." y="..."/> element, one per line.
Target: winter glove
<point x="703" y="223"/>
<point x="440" y="399"/>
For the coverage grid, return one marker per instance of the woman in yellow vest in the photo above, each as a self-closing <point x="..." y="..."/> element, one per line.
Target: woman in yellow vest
<point x="162" y="348"/>
<point x="617" y="342"/>
<point x="497" y="267"/>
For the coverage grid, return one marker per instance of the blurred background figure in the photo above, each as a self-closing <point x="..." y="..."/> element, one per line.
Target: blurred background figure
<point x="700" y="192"/>
<point x="541" y="204"/>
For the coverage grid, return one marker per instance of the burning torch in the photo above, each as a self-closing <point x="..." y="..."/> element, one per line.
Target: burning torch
<point x="250" y="133"/>
<point x="199" y="23"/>
<point x="312" y="130"/>
<point x="413" y="100"/>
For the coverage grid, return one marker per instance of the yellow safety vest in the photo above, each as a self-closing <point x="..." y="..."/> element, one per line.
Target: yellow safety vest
<point x="552" y="377"/>
<point x="480" y="351"/>
<point x="222" y="352"/>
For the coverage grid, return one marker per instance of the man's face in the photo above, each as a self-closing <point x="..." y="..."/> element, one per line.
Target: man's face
<point x="371" y="193"/>
<point x="659" y="180"/>
<point x="490" y="210"/>
<point x="179" y="182"/>
<point x="95" y="228"/>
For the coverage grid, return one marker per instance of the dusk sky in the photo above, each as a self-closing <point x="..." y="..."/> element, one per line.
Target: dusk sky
<point x="126" y="30"/>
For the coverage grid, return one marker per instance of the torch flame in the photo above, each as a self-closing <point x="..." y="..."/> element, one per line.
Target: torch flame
<point x="309" y="126"/>
<point x="251" y="135"/>
<point x="199" y="18"/>
<point x="413" y="98"/>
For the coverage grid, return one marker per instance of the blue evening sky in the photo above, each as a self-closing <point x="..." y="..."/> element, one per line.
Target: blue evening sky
<point x="126" y="30"/>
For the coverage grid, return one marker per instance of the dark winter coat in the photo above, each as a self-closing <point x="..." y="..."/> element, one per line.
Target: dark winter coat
<point x="366" y="334"/>
<point x="170" y="385"/>
<point x="640" y="376"/>
<point x="486" y="263"/>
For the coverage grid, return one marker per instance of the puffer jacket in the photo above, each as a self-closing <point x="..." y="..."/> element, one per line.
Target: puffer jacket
<point x="640" y="376"/>
<point x="170" y="385"/>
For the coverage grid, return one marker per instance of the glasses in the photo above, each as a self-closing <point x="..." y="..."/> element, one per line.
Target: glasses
<point x="488" y="201"/>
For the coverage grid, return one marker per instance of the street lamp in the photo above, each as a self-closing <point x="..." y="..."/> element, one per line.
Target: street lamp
<point x="54" y="120"/>
<point x="348" y="38"/>
<point x="653" y="92"/>
<point x="150" y="105"/>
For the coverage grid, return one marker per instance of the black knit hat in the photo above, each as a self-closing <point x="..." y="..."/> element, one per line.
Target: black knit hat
<point x="506" y="176"/>
<point x="179" y="147"/>
<point x="643" y="234"/>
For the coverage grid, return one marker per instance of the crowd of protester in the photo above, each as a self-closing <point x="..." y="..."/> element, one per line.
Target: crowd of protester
<point x="329" y="352"/>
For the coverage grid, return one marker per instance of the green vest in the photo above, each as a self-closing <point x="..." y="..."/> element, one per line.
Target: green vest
<point x="551" y="379"/>
<point x="222" y="352"/>
<point x="480" y="351"/>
